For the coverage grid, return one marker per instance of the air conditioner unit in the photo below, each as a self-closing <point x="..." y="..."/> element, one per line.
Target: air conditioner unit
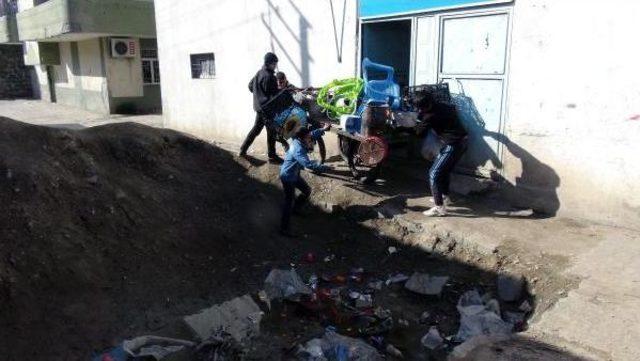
<point x="123" y="48"/>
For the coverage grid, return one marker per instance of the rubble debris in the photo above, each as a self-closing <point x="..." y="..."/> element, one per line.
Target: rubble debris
<point x="426" y="284"/>
<point x="219" y="347"/>
<point x="393" y="351"/>
<point x="375" y="285"/>
<point x="424" y="317"/>
<point x="154" y="346"/>
<point x="510" y="287"/>
<point x="285" y="284"/>
<point x="463" y="350"/>
<point x="240" y="318"/>
<point x="396" y="278"/>
<point x="364" y="301"/>
<point x="478" y="319"/>
<point x="335" y="347"/>
<point x="329" y="258"/>
<point x="432" y="340"/>
<point x="525" y="307"/>
<point x="517" y="319"/>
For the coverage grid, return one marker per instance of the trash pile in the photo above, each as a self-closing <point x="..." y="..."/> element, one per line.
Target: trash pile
<point x="356" y="325"/>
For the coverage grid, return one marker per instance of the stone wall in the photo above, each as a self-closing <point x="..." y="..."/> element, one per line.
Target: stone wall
<point x="15" y="81"/>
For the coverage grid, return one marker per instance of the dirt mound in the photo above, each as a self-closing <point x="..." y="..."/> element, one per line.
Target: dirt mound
<point x="99" y="224"/>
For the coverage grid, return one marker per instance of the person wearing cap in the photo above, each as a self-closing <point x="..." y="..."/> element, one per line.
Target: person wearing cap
<point x="264" y="87"/>
<point x="295" y="160"/>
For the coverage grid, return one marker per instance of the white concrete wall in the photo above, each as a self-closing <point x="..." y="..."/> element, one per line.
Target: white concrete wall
<point x="574" y="105"/>
<point x="124" y="74"/>
<point x="240" y="32"/>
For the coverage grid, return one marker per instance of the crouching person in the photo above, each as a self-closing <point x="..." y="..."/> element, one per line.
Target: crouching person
<point x="295" y="159"/>
<point x="444" y="121"/>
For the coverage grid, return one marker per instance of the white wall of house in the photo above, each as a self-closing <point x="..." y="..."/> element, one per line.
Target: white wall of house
<point x="239" y="33"/>
<point x="574" y="106"/>
<point x="571" y="120"/>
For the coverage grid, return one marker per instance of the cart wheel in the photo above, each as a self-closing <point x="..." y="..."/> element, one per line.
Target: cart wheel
<point x="372" y="151"/>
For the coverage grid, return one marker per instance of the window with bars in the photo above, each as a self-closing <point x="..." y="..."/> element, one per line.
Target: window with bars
<point x="203" y="66"/>
<point x="150" y="66"/>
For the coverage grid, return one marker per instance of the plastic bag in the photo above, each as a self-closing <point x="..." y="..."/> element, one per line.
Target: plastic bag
<point x="431" y="146"/>
<point x="285" y="284"/>
<point x="335" y="347"/>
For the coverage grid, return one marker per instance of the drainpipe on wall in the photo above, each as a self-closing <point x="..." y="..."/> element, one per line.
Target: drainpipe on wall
<point x="357" y="40"/>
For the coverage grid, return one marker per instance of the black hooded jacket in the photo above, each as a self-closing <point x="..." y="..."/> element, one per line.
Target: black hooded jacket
<point x="264" y="87"/>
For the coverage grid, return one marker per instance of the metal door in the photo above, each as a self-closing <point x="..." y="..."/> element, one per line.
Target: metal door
<point x="473" y="60"/>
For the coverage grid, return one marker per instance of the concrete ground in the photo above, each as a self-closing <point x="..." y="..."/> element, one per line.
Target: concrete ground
<point x="43" y="113"/>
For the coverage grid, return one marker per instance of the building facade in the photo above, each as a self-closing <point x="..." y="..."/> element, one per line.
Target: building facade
<point x="95" y="55"/>
<point x="552" y="104"/>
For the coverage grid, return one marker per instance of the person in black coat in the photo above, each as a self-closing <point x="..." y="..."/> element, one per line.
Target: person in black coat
<point x="264" y="87"/>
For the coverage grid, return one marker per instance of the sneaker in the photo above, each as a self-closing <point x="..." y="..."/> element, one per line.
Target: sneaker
<point x="437" y="211"/>
<point x="276" y="160"/>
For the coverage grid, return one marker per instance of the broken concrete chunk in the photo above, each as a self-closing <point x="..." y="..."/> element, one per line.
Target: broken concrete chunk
<point x="396" y="278"/>
<point x="285" y="284"/>
<point x="476" y="318"/>
<point x="240" y="318"/>
<point x="154" y="346"/>
<point x="432" y="340"/>
<point x="425" y="284"/>
<point x="510" y="287"/>
<point x="525" y="307"/>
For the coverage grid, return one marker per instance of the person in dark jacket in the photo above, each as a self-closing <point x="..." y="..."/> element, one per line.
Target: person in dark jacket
<point x="264" y="87"/>
<point x="444" y="121"/>
<point x="295" y="160"/>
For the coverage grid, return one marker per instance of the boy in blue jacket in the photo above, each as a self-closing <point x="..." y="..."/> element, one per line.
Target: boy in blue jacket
<point x="295" y="160"/>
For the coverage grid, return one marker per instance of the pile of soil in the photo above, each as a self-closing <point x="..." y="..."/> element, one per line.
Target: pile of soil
<point x="103" y="227"/>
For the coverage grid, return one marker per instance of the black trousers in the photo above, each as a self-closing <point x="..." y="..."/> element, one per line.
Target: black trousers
<point x="291" y="203"/>
<point x="260" y="123"/>
<point x="440" y="172"/>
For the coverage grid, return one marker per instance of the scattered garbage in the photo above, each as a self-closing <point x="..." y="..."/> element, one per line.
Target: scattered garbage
<point x="517" y="319"/>
<point x="392" y="250"/>
<point x="264" y="298"/>
<point x="114" y="354"/>
<point x="335" y="347"/>
<point x="462" y="351"/>
<point x="510" y="287"/>
<point x="424" y="317"/>
<point x="285" y="284"/>
<point x="393" y="351"/>
<point x="364" y="301"/>
<point x="154" y="346"/>
<point x="330" y="258"/>
<point x="402" y="322"/>
<point x="396" y="278"/>
<point x="432" y="340"/>
<point x="478" y="319"/>
<point x="219" y="347"/>
<point x="310" y="257"/>
<point x="525" y="307"/>
<point x="240" y="318"/>
<point x="426" y="284"/>
<point x="376" y="285"/>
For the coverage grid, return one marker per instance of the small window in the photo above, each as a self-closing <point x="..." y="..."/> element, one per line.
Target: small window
<point x="203" y="66"/>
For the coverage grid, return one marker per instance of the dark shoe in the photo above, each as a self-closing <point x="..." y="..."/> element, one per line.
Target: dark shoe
<point x="276" y="160"/>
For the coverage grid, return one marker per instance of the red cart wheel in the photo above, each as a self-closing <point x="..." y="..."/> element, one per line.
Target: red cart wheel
<point x="372" y="151"/>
